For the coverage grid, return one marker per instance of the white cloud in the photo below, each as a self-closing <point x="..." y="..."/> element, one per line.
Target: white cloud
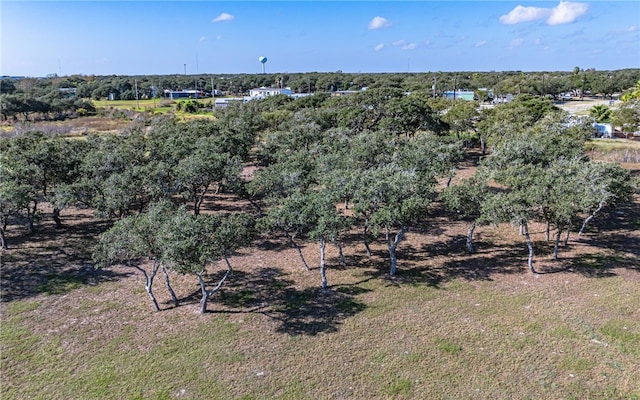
<point x="223" y="17"/>
<point x="480" y="43"/>
<point x="379" y="47"/>
<point x="566" y="12"/>
<point x="219" y="37"/>
<point x="379" y="23"/>
<point x="632" y="28"/>
<point x="515" y="43"/>
<point x="524" y="14"/>
<point x="538" y="42"/>
<point x="203" y="38"/>
<point x="404" y="45"/>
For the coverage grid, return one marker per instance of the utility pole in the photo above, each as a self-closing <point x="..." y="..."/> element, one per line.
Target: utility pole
<point x="213" y="90"/>
<point x="135" y="82"/>
<point x="454" y="86"/>
<point x="185" y="69"/>
<point x="435" y="82"/>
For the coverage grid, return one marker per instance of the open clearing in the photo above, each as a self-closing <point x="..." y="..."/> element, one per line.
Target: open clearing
<point x="449" y="326"/>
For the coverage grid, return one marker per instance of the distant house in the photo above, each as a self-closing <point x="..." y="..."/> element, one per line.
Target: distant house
<point x="183" y="94"/>
<point x="459" y="95"/>
<point x="262" y="92"/>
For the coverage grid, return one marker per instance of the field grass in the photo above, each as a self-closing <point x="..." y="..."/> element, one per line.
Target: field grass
<point x="156" y="106"/>
<point x="616" y="150"/>
<point x="138" y="105"/>
<point x="449" y="326"/>
<point x="613" y="144"/>
<point x="526" y="339"/>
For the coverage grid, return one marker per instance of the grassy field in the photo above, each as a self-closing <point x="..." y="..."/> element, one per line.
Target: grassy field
<point x="524" y="339"/>
<point x="156" y="106"/>
<point x="140" y="105"/>
<point x="618" y="150"/>
<point x="449" y="326"/>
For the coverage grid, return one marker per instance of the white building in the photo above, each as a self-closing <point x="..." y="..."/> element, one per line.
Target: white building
<point x="259" y="93"/>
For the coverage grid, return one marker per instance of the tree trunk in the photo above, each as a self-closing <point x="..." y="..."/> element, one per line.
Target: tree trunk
<point x="548" y="231"/>
<point x="168" y="285"/>
<point x="294" y="244"/>
<point x="207" y="293"/>
<point x="590" y="217"/>
<point x="3" y="230"/>
<point x="148" y="283"/>
<point x="449" y="180"/>
<point x="323" y="265"/>
<point x="566" y="238"/>
<point x="31" y="216"/>
<point x="392" y="248"/>
<point x="470" y="248"/>
<point x="530" y="246"/>
<point x="343" y="261"/>
<point x="197" y="203"/>
<point x="521" y="230"/>
<point x="364" y="237"/>
<point x="483" y="146"/>
<point x="256" y="206"/>
<point x="557" y="243"/>
<point x="56" y="217"/>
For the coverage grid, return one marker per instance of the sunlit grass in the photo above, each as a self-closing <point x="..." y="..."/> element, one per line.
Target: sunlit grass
<point x="612" y="144"/>
<point x="410" y="341"/>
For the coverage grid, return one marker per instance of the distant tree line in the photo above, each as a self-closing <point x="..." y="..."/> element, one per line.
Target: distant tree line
<point x="551" y="83"/>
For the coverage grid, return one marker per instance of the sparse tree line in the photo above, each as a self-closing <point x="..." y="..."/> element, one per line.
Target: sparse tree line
<point x="53" y="106"/>
<point x="376" y="162"/>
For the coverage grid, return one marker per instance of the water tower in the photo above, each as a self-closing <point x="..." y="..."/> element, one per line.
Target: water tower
<point x="263" y="60"/>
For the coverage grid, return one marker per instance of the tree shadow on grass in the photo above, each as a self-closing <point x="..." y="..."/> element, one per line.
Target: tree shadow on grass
<point x="56" y="276"/>
<point x="52" y="261"/>
<point x="312" y="311"/>
<point x="299" y="311"/>
<point x="590" y="265"/>
<point x="479" y="266"/>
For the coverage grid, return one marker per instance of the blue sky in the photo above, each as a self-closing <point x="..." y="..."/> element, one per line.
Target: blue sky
<point x="160" y="37"/>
